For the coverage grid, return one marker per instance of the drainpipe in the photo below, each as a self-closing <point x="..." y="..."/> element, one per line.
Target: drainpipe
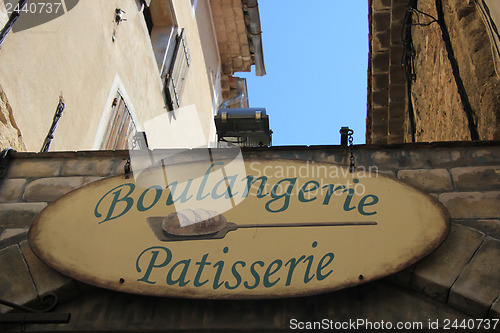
<point x="232" y="100"/>
<point x="256" y="34"/>
<point x="240" y="98"/>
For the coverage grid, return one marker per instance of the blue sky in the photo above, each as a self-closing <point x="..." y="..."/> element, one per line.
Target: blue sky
<point x="316" y="58"/>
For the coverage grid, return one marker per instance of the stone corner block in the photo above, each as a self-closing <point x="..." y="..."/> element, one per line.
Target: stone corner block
<point x="50" y="189"/>
<point x="49" y="167"/>
<point x="45" y="278"/>
<point x="12" y="236"/>
<point x="384" y="159"/>
<point x="478" y="285"/>
<point x="19" y="214"/>
<point x="490" y="227"/>
<point x="435" y="274"/>
<point x="429" y="180"/>
<point x="476" y="178"/>
<point x="472" y="205"/>
<point x="87" y="167"/>
<point x="483" y="156"/>
<point x="445" y="157"/>
<point x="403" y="278"/>
<point x="16" y="285"/>
<point x="11" y="189"/>
<point x="494" y="312"/>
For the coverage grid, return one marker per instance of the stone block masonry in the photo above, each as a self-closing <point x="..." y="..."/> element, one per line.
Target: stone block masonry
<point x="462" y="275"/>
<point x="454" y="79"/>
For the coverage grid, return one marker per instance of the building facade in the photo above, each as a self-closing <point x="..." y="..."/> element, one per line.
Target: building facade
<point x="434" y="71"/>
<point x="455" y="286"/>
<point x="161" y="67"/>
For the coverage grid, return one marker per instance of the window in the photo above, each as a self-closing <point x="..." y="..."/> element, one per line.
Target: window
<point x="170" y="49"/>
<point x="177" y="72"/>
<point x="121" y="128"/>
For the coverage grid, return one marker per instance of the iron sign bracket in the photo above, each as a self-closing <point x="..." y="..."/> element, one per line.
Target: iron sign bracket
<point x="34" y="316"/>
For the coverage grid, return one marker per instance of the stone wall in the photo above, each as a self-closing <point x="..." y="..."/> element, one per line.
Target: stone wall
<point x="10" y="134"/>
<point x="437" y="107"/>
<point x="386" y="79"/>
<point x="460" y="280"/>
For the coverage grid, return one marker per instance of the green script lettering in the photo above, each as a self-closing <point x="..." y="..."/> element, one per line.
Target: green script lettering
<point x="286" y="195"/>
<point x="270" y="271"/>
<point x="140" y="202"/>
<point x="236" y="275"/>
<point x="126" y="199"/>
<point x="152" y="262"/>
<point x="182" y="276"/>
<point x="255" y="275"/>
<point x="320" y="276"/>
<point x="363" y="203"/>
<point x="305" y="189"/>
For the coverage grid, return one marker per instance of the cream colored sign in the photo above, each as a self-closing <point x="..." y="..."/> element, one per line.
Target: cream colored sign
<point x="274" y="228"/>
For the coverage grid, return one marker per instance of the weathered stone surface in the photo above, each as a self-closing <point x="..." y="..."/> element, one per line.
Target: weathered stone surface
<point x="381" y="21"/>
<point x="385" y="159"/>
<point x="88" y="180"/>
<point x="19" y="215"/>
<point x="472" y="205"/>
<point x="439" y="111"/>
<point x="403" y="278"/>
<point x="15" y="280"/>
<point x="381" y="5"/>
<point x="444" y="157"/>
<point x="435" y="274"/>
<point x="33" y="168"/>
<point x="380" y="98"/>
<point x="431" y="180"/>
<point x="476" y="178"/>
<point x="45" y="278"/>
<point x="87" y="167"/>
<point x="105" y="310"/>
<point x="490" y="227"/>
<point x="12" y="236"/>
<point x="412" y="159"/>
<point x="478" y="286"/>
<point x="495" y="310"/>
<point x="11" y="135"/>
<point x="11" y="189"/>
<point x="387" y="172"/>
<point x="382" y="41"/>
<point x="380" y="81"/>
<point x="49" y="189"/>
<point x="118" y="167"/>
<point x="380" y="63"/>
<point x="484" y="156"/>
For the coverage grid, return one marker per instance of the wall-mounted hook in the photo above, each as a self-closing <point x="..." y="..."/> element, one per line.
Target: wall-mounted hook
<point x="118" y="18"/>
<point x="119" y="15"/>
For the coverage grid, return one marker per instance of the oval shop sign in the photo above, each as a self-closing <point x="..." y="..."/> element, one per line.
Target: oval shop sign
<point x="255" y="229"/>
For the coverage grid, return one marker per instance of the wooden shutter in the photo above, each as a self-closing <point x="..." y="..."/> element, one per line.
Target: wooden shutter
<point x="120" y="128"/>
<point x="174" y="83"/>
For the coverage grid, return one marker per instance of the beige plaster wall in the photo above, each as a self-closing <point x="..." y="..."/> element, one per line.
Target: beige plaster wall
<point x="202" y="86"/>
<point x="74" y="55"/>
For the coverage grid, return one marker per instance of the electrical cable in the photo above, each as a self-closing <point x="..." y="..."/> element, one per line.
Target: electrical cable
<point x="408" y="58"/>
<point x="492" y="30"/>
<point x="469" y="113"/>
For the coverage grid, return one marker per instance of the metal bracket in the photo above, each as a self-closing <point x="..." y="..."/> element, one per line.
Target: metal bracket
<point x="34" y="316"/>
<point x="346" y="139"/>
<point x="4" y="161"/>
<point x="345" y="132"/>
<point x="126" y="168"/>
